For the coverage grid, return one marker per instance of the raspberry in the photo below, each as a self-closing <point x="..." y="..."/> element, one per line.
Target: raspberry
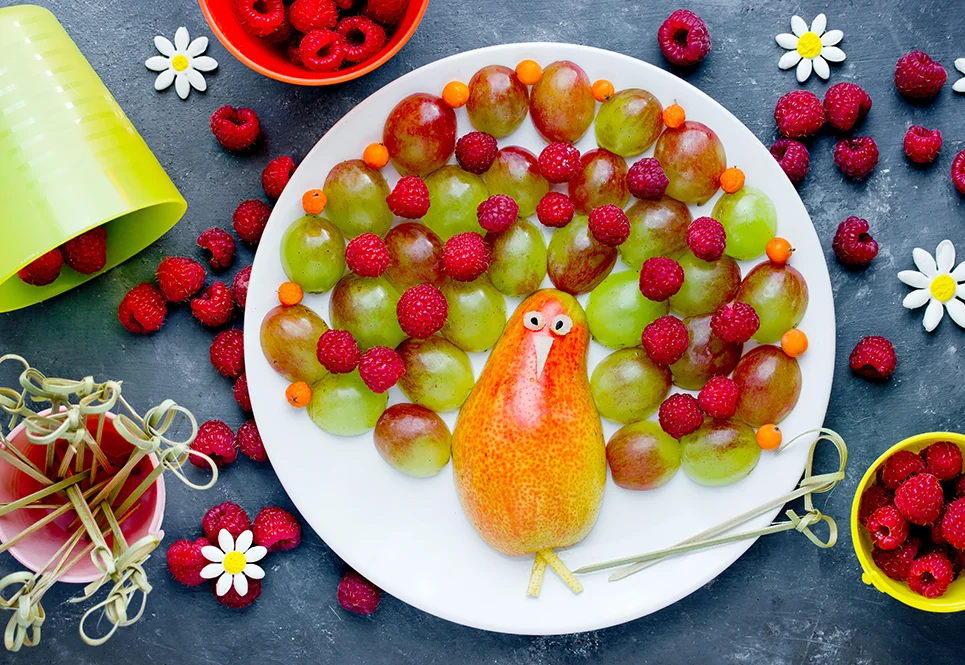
<point x="922" y="145"/>
<point x="794" y="158"/>
<point x="214" y="307"/>
<point x="666" y="340"/>
<point x="706" y="238"/>
<point x="235" y="129"/>
<point x="239" y="287"/>
<point x="409" y="198"/>
<point x="953" y="524"/>
<point x="381" y="368"/>
<point x="735" y="322"/>
<point x="917" y="76"/>
<point x="216" y="440"/>
<point x="845" y="105"/>
<point x="276" y="175"/>
<point x="888" y="528"/>
<point x="956" y="488"/>
<point x="229" y="516"/>
<point x="465" y="256"/>
<point x="559" y="162"/>
<point x="337" y="351"/>
<point x="233" y="600"/>
<point x="261" y="17"/>
<point x="684" y="38"/>
<point x="497" y="213"/>
<point x="362" y="38"/>
<point x="900" y="466"/>
<point x="228" y="353"/>
<point x="718" y="398"/>
<point x="873" y="498"/>
<point x="852" y="243"/>
<point x="220" y="246"/>
<point x="321" y="51"/>
<point x="660" y="278"/>
<point x="943" y="460"/>
<point x="958" y="172"/>
<point x="240" y="391"/>
<point x="555" y="210"/>
<point x="44" y="270"/>
<point x="386" y="12"/>
<point x="935" y="530"/>
<point x="897" y="562"/>
<point x="422" y="311"/>
<point x="356" y="594"/>
<point x="248" y="440"/>
<point x="281" y="35"/>
<point x="930" y="575"/>
<point x="250" y="219"/>
<point x="87" y="253"/>
<point x="856" y="157"/>
<point x="646" y="179"/>
<point x="873" y="358"/>
<point x="920" y="499"/>
<point x="799" y="113"/>
<point x="476" y="152"/>
<point x="308" y="15"/>
<point x="609" y="225"/>
<point x="366" y="255"/>
<point x="142" y="310"/>
<point x="276" y="529"/>
<point x="680" y="415"/>
<point x="185" y="561"/>
<point x="179" y="278"/>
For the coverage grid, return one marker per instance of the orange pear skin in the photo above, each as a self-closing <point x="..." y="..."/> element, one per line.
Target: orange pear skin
<point x="528" y="452"/>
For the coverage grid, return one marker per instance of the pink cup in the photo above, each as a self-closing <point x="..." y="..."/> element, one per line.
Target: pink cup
<point x="35" y="550"/>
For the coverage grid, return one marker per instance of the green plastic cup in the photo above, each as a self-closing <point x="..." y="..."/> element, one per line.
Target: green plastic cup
<point x="70" y="160"/>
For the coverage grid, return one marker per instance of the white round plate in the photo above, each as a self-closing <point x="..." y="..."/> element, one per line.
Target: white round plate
<point x="410" y="536"/>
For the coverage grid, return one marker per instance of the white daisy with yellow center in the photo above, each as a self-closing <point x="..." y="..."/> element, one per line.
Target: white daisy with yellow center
<point x="937" y="285"/>
<point x="181" y="63"/>
<point x="810" y="48"/>
<point x="233" y="562"/>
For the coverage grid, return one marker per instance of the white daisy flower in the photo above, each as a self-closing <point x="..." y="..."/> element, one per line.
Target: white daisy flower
<point x="233" y="562"/>
<point x="181" y="63"/>
<point x="937" y="285"/>
<point x="959" y="85"/>
<point x="810" y="49"/>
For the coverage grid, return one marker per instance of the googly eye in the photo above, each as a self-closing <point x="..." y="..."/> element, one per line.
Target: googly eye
<point x="561" y="324"/>
<point x="533" y="320"/>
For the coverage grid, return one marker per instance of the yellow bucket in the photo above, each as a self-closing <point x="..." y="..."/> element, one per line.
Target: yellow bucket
<point x="954" y="598"/>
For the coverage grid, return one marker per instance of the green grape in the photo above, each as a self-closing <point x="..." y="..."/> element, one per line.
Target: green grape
<point x="770" y="385"/>
<point x="721" y="452"/>
<point x="629" y="122"/>
<point x="693" y="158"/>
<point x="642" y="456"/>
<point x="477" y="314"/>
<point x="575" y="261"/>
<point x="518" y="263"/>
<point x="313" y="253"/>
<point x="627" y="386"/>
<point x="707" y="285"/>
<point x="416" y="256"/>
<point x="420" y="134"/>
<point x="561" y="104"/>
<point x="356" y="199"/>
<point x="413" y="440"/>
<point x="498" y="101"/>
<point x="454" y="195"/>
<point x="438" y="374"/>
<point x="617" y="312"/>
<point x="750" y="221"/>
<point x="780" y="296"/>
<point x="706" y="357"/>
<point x="289" y="337"/>
<point x="657" y="228"/>
<point x="365" y="306"/>
<point x="515" y="173"/>
<point x="343" y="405"/>
<point x="601" y="180"/>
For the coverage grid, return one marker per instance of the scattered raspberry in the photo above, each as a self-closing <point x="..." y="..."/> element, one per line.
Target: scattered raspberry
<point x="900" y="466"/>
<point x="44" y="270"/>
<point x="248" y="440"/>
<point x="680" y="415"/>
<point x="958" y="172"/>
<point x="718" y="398"/>
<point x="873" y="498"/>
<point x="276" y="175"/>
<point x="142" y="310"/>
<point x="241" y="393"/>
<point x="214" y="307"/>
<point x="706" y="238"/>
<point x="930" y="575"/>
<point x="465" y="256"/>
<point x="852" y="243"/>
<point x="794" y="158"/>
<point x="239" y="287"/>
<point x="922" y="145"/>
<point x="953" y="524"/>
<point x="250" y="219"/>
<point x="216" y="440"/>
<point x="366" y="255"/>
<point x="799" y="113"/>
<point x="943" y="460"/>
<point x="422" y="311"/>
<point x="920" y="499"/>
<point x="185" y="561"/>
<point x="684" y="38"/>
<point x="276" y="529"/>
<point x="261" y="17"/>
<point x="873" y="358"/>
<point x="220" y="246"/>
<point x="321" y="51"/>
<point x="646" y="179"/>
<point x="917" y="76"/>
<point x="228" y="353"/>
<point x="386" y="12"/>
<point x="609" y="225"/>
<point x="856" y="157"/>
<point x="179" y="278"/>
<point x="229" y="516"/>
<point x="235" y="129"/>
<point x="845" y="105"/>
<point x="87" y="253"/>
<point x="888" y="528"/>
<point x="555" y="210"/>
<point x="660" y="278"/>
<point x="233" y="600"/>
<point x="337" y="351"/>
<point x="308" y="15"/>
<point x="476" y="152"/>
<point x="897" y="562"/>
<point x="559" y="162"/>
<point x="381" y="368"/>
<point x="497" y="213"/>
<point x="356" y="594"/>
<point x="666" y="340"/>
<point x="362" y="38"/>
<point x="410" y="198"/>
<point x="735" y="322"/>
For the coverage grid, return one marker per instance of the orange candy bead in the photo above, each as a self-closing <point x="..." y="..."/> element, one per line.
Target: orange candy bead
<point x="674" y="116"/>
<point x="314" y="201"/>
<point x="602" y="90"/>
<point x="779" y="250"/>
<point x="769" y="437"/>
<point x="732" y="180"/>
<point x="376" y="155"/>
<point x="290" y="293"/>
<point x="529" y="72"/>
<point x="455" y="94"/>
<point x="298" y="394"/>
<point x="794" y="343"/>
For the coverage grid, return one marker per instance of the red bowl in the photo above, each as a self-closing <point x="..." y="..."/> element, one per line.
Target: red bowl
<point x="269" y="60"/>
